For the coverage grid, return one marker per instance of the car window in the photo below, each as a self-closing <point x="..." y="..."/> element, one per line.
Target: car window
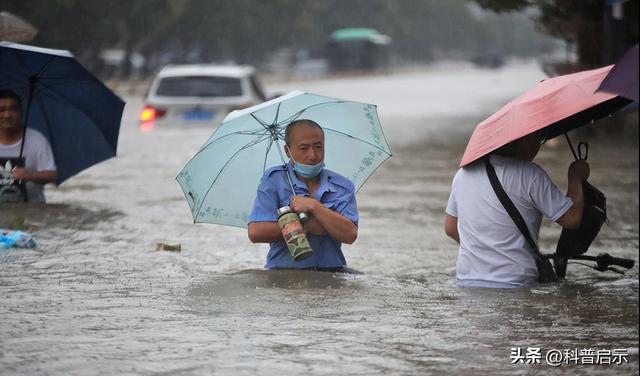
<point x="199" y="86"/>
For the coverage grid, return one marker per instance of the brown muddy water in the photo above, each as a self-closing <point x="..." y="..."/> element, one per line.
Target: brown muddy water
<point x="95" y="298"/>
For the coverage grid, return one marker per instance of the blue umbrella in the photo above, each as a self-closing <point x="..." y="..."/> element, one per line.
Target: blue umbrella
<point x="77" y="114"/>
<point x="221" y="180"/>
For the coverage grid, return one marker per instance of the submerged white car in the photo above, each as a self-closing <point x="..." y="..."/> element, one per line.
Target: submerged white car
<point x="200" y="94"/>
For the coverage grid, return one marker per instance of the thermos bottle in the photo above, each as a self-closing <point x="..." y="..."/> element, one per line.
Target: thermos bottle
<point x="293" y="234"/>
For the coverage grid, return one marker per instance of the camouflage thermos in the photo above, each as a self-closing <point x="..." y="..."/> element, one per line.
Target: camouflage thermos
<point x="293" y="234"/>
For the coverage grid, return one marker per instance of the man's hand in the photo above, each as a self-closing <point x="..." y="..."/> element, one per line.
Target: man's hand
<point x="302" y="204"/>
<point x="40" y="177"/>
<point x="21" y="173"/>
<point x="328" y="221"/>
<point x="579" y="171"/>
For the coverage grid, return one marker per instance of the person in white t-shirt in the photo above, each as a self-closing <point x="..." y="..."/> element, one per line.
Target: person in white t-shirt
<point x="493" y="252"/>
<point x="39" y="166"/>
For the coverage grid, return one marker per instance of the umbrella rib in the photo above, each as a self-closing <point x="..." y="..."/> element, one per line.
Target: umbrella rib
<point x="246" y="146"/>
<point x="292" y="117"/>
<point x="266" y="155"/>
<point x="46" y="83"/>
<point x="264" y="125"/>
<point x="356" y="138"/>
<point x="297" y="114"/>
<point x="44" y="66"/>
<point x="257" y="131"/>
<point x="244" y="133"/>
<point x="286" y="120"/>
<point x="275" y="120"/>
<point x="44" y="86"/>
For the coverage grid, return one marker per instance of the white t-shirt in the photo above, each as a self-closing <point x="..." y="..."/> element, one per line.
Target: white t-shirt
<point x="493" y="252"/>
<point x="37" y="157"/>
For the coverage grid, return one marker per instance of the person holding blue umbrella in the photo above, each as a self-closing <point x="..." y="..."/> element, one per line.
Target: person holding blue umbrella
<point x="74" y="111"/>
<point x="39" y="167"/>
<point x="325" y="196"/>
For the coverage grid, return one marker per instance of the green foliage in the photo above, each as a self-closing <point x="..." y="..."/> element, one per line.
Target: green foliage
<point x="249" y="30"/>
<point x="587" y="24"/>
<point x="15" y="222"/>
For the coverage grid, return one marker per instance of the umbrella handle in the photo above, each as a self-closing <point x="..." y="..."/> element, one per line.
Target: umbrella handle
<point x="583" y="148"/>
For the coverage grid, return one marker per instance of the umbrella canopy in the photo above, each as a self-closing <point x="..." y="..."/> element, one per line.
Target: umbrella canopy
<point x="623" y="78"/>
<point x="221" y="180"/>
<point x="553" y="107"/>
<point x="77" y="114"/>
<point x="15" y="29"/>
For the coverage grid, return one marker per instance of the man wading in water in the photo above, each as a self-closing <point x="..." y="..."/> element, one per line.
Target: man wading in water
<point x="325" y="196"/>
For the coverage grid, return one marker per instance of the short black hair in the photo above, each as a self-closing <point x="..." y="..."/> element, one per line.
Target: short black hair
<point x="5" y="94"/>
<point x="293" y="124"/>
<point x="514" y="148"/>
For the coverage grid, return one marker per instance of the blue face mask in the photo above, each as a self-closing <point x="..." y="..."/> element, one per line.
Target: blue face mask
<point x="307" y="171"/>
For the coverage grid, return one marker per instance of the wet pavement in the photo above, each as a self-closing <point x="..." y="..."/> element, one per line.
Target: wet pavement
<point x="96" y="298"/>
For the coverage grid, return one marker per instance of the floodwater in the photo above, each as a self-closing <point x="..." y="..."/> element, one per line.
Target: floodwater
<point x="95" y="298"/>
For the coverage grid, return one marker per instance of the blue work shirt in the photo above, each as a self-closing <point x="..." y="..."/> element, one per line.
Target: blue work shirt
<point x="335" y="192"/>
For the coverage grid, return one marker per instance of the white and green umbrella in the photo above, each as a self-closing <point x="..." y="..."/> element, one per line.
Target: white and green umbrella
<point x="221" y="180"/>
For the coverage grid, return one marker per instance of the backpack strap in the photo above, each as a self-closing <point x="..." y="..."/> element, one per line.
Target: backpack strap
<point x="509" y="206"/>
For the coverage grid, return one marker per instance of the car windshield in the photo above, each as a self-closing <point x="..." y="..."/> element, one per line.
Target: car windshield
<point x="199" y="86"/>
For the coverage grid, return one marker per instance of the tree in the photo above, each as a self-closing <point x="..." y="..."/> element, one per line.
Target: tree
<point x="248" y="31"/>
<point x="599" y="37"/>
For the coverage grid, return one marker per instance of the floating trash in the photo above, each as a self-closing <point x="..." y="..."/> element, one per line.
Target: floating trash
<point x="172" y="247"/>
<point x="17" y="239"/>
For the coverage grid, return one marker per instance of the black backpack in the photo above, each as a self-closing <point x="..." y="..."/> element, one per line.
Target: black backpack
<point x="577" y="241"/>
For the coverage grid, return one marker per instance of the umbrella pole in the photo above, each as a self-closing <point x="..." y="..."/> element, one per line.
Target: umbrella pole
<point x="293" y="191"/>
<point x="303" y="216"/>
<point x="26" y="116"/>
<point x="566" y="135"/>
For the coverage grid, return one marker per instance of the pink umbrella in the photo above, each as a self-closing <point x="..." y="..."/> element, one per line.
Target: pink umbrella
<point x="553" y="107"/>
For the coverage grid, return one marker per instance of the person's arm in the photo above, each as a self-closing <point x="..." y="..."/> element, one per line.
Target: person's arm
<point x="578" y="171"/>
<point x="335" y="224"/>
<point x="263" y="220"/>
<point x="451" y="227"/>
<point x="264" y="232"/>
<point x="40" y="177"/>
<point x="314" y="227"/>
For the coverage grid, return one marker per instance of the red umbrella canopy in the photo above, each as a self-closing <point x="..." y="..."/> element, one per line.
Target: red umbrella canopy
<point x="554" y="106"/>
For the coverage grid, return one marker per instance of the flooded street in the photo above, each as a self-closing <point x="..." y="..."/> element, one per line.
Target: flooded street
<point x="95" y="297"/>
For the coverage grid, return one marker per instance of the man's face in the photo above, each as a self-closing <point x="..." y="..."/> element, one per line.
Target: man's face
<point x="10" y="114"/>
<point x="306" y="145"/>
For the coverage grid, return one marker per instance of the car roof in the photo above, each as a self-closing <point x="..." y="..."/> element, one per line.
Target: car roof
<point x="206" y="69"/>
